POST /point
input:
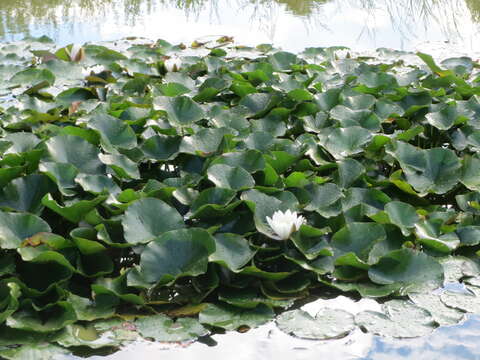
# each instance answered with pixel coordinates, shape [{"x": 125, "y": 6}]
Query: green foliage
[{"x": 129, "y": 190}]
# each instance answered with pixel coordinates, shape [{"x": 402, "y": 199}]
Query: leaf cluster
[{"x": 130, "y": 191}]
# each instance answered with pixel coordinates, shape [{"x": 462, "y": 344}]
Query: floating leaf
[
  {"x": 73, "y": 211},
  {"x": 114, "y": 132},
  {"x": 177, "y": 253},
  {"x": 414, "y": 270},
  {"x": 441, "y": 313},
  {"x": 17, "y": 227},
  {"x": 26, "y": 193},
  {"x": 403, "y": 215},
  {"x": 181, "y": 110},
  {"x": 232, "y": 251},
  {"x": 468, "y": 302},
  {"x": 357, "y": 240},
  {"x": 76, "y": 151},
  {"x": 401, "y": 320},
  {"x": 229, "y": 177},
  {"x": 327, "y": 324},
  {"x": 142, "y": 220},
  {"x": 343, "y": 142},
  {"x": 162, "y": 328},
  {"x": 231, "y": 318}
]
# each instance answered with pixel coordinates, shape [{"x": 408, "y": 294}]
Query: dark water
[{"x": 291, "y": 24}]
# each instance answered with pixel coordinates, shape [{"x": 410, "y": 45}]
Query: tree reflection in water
[{"x": 18, "y": 17}]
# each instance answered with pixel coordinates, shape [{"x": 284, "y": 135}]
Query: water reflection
[
  {"x": 292, "y": 24},
  {"x": 460, "y": 342},
  {"x": 474, "y": 7}
]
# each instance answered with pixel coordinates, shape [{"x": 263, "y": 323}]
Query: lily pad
[
  {"x": 162, "y": 328},
  {"x": 231, "y": 318},
  {"x": 177, "y": 253},
  {"x": 403, "y": 267},
  {"x": 400, "y": 320},
  {"x": 327, "y": 324},
  {"x": 441, "y": 313},
  {"x": 181, "y": 110},
  {"x": 76, "y": 151},
  {"x": 229, "y": 177},
  {"x": 17, "y": 227},
  {"x": 141, "y": 222}
]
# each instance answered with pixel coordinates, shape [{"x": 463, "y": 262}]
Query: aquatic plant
[
  {"x": 285, "y": 223},
  {"x": 139, "y": 202}
]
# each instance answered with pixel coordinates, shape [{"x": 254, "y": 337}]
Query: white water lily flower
[
  {"x": 76, "y": 53},
  {"x": 173, "y": 64},
  {"x": 285, "y": 223}
]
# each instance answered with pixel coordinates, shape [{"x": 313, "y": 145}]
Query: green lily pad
[
  {"x": 60, "y": 315},
  {"x": 403, "y": 215},
  {"x": 113, "y": 131},
  {"x": 17, "y": 227},
  {"x": 89, "y": 310},
  {"x": 231, "y": 318},
  {"x": 76, "y": 151},
  {"x": 34, "y": 351},
  {"x": 141, "y": 221},
  {"x": 343, "y": 142},
  {"x": 121, "y": 165},
  {"x": 181, "y": 110},
  {"x": 160, "y": 147},
  {"x": 62, "y": 174},
  {"x": 403, "y": 266},
  {"x": 162, "y": 328},
  {"x": 73, "y": 211},
  {"x": 470, "y": 170},
  {"x": 434, "y": 170},
  {"x": 250, "y": 160},
  {"x": 177, "y": 253},
  {"x": 357, "y": 240},
  {"x": 26, "y": 193},
  {"x": 232, "y": 251},
  {"x": 228, "y": 177},
  {"x": 250, "y": 299}
]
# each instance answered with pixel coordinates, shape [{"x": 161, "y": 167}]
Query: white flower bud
[{"x": 173, "y": 64}]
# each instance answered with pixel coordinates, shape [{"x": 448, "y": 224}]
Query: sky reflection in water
[
  {"x": 291, "y": 24},
  {"x": 459, "y": 342}
]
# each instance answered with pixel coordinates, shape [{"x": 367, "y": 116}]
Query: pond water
[
  {"x": 290, "y": 24},
  {"x": 459, "y": 342}
]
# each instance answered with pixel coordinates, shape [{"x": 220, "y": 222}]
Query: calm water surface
[
  {"x": 291, "y": 24},
  {"x": 447, "y": 25},
  {"x": 459, "y": 342}
]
